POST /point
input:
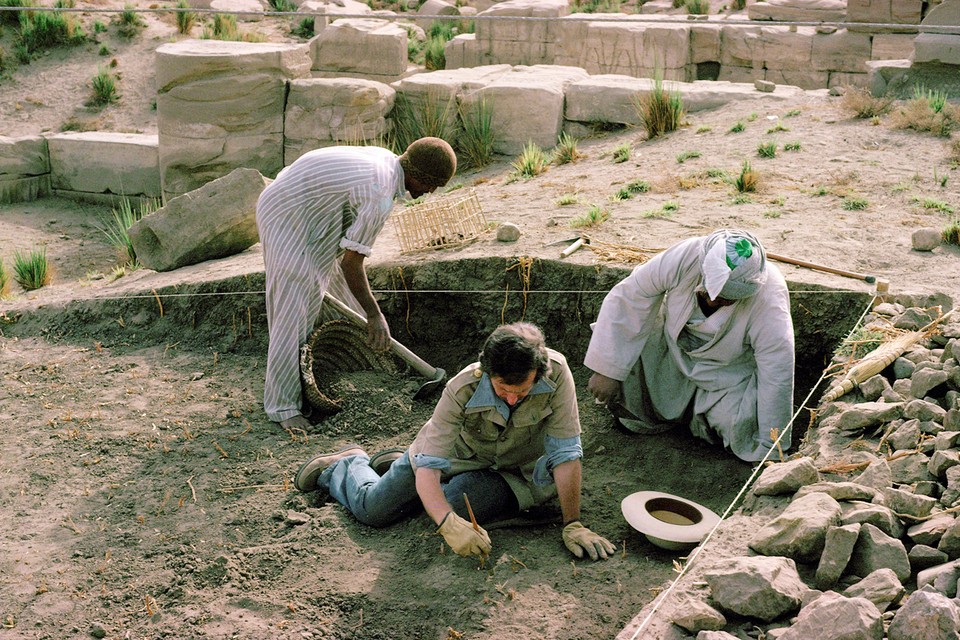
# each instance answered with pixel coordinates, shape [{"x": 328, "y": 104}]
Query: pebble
[{"x": 508, "y": 232}]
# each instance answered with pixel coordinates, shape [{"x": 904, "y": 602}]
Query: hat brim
[{"x": 668, "y": 521}]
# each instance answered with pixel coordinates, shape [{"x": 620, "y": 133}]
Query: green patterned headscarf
[{"x": 733, "y": 263}]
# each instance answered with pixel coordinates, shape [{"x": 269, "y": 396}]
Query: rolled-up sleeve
[{"x": 556, "y": 452}]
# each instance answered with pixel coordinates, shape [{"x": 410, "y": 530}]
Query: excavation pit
[{"x": 155, "y": 389}]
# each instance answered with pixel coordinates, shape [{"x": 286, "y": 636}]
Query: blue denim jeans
[{"x": 380, "y": 501}]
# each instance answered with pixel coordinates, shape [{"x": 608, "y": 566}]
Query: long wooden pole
[{"x": 818, "y": 267}]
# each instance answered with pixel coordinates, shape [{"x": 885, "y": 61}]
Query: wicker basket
[
  {"x": 336, "y": 346},
  {"x": 444, "y": 222}
]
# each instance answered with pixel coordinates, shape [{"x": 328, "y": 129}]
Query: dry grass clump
[
  {"x": 950, "y": 234},
  {"x": 863, "y": 104},
  {"x": 532, "y": 162},
  {"x": 928, "y": 111},
  {"x": 659, "y": 111},
  {"x": 31, "y": 269}
]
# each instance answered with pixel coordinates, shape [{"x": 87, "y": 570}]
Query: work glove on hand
[
  {"x": 579, "y": 539},
  {"x": 463, "y": 538}
]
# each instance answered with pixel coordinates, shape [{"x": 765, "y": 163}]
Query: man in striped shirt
[{"x": 317, "y": 222}]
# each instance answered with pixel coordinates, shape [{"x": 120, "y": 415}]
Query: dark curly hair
[{"x": 512, "y": 351}]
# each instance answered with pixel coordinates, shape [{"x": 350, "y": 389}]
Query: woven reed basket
[
  {"x": 336, "y": 346},
  {"x": 448, "y": 221}
]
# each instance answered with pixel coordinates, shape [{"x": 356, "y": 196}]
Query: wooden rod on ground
[
  {"x": 818, "y": 267},
  {"x": 473, "y": 518}
]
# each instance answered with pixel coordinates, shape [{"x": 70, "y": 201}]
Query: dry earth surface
[{"x": 146, "y": 495}]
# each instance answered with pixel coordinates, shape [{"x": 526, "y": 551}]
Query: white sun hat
[{"x": 668, "y": 521}]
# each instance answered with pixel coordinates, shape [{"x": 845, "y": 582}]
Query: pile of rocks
[{"x": 864, "y": 541}]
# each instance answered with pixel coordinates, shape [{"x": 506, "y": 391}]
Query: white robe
[{"x": 738, "y": 385}]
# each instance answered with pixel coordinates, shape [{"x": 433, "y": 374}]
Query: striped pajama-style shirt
[{"x": 328, "y": 200}]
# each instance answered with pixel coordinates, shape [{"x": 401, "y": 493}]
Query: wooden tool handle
[
  {"x": 818, "y": 267},
  {"x": 415, "y": 361}
]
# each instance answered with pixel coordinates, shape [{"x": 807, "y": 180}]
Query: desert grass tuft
[
  {"x": 778, "y": 128},
  {"x": 595, "y": 216},
  {"x": 116, "y": 228},
  {"x": 791, "y": 146},
  {"x": 683, "y": 156},
  {"x": 638, "y": 186},
  {"x": 853, "y": 203},
  {"x": 767, "y": 149},
  {"x": 475, "y": 138},
  {"x": 104, "y": 88},
  {"x": 864, "y": 104},
  {"x": 130, "y": 22},
  {"x": 283, "y": 6},
  {"x": 566, "y": 150},
  {"x": 429, "y": 115},
  {"x": 704, "y": 129},
  {"x": 697, "y": 7},
  {"x": 434, "y": 56},
  {"x": 747, "y": 180},
  {"x": 621, "y": 153},
  {"x": 660, "y": 111},
  {"x": 4, "y": 282},
  {"x": 224, "y": 27},
  {"x": 738, "y": 127},
  {"x": 31, "y": 269},
  {"x": 950, "y": 233},
  {"x": 567, "y": 199},
  {"x": 186, "y": 19},
  {"x": 43, "y": 30},
  {"x": 929, "y": 113},
  {"x": 306, "y": 29},
  {"x": 532, "y": 162},
  {"x": 934, "y": 204}
]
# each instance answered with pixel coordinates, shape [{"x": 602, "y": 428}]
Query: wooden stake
[{"x": 473, "y": 519}]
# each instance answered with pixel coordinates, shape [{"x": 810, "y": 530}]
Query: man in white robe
[{"x": 699, "y": 335}]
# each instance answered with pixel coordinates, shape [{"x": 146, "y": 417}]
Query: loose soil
[{"x": 147, "y": 496}]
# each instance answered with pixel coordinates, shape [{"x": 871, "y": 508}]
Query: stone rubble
[{"x": 859, "y": 535}]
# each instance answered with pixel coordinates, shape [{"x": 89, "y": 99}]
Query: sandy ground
[{"x": 146, "y": 495}]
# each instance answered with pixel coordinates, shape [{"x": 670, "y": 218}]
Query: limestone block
[
  {"x": 325, "y": 111},
  {"x": 214, "y": 221},
  {"x": 786, "y": 477},
  {"x": 844, "y": 617},
  {"x": 923, "y": 557},
  {"x": 103, "y": 162},
  {"x": 625, "y": 47},
  {"x": 738, "y": 74},
  {"x": 527, "y": 105},
  {"x": 24, "y": 169},
  {"x": 837, "y": 548},
  {"x": 605, "y": 98},
  {"x": 186, "y": 61},
  {"x": 805, "y": 79},
  {"x": 798, "y": 10},
  {"x": 188, "y": 163},
  {"x": 909, "y": 503},
  {"x": 842, "y": 79},
  {"x": 361, "y": 45},
  {"x": 839, "y": 491},
  {"x": 757, "y": 587},
  {"x": 800, "y": 531},
  {"x": 937, "y": 47},
  {"x": 334, "y": 7},
  {"x": 521, "y": 52},
  {"x": 246, "y": 10},
  {"x": 884, "y": 11},
  {"x": 931, "y": 531},
  {"x": 892, "y": 46},
  {"x": 840, "y": 51},
  {"x": 220, "y": 106},
  {"x": 704, "y": 43},
  {"x": 925, "y": 614},
  {"x": 464, "y": 51},
  {"x": 923, "y": 410},
  {"x": 244, "y": 104},
  {"x": 694, "y": 615},
  {"x": 23, "y": 157},
  {"x": 702, "y": 95},
  {"x": 945, "y": 14},
  {"x": 877, "y": 515},
  {"x": 522, "y": 30},
  {"x": 740, "y": 46},
  {"x": 882, "y": 588},
  {"x": 782, "y": 48},
  {"x": 876, "y": 550}
]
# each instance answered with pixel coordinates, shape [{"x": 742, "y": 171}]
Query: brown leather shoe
[
  {"x": 306, "y": 478},
  {"x": 381, "y": 461}
]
